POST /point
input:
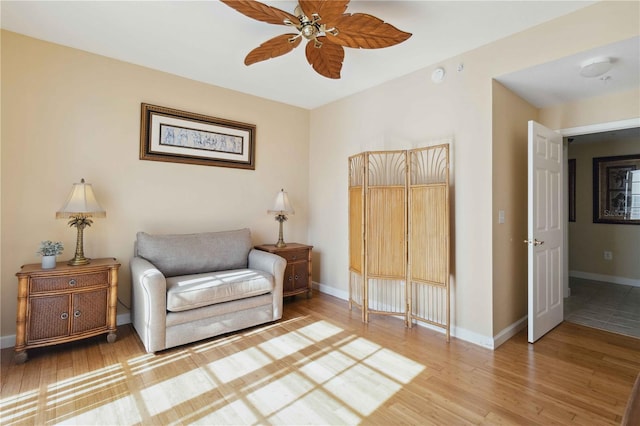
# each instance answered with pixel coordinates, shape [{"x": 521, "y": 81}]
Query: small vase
[{"x": 48, "y": 262}]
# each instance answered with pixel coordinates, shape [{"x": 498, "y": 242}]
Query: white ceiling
[
  {"x": 207, "y": 41},
  {"x": 560, "y": 81}
]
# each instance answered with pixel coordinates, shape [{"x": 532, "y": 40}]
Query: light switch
[{"x": 500, "y": 216}]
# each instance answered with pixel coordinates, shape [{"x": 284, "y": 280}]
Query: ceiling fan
[{"x": 325, "y": 26}]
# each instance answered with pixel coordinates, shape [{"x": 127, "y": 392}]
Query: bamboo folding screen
[{"x": 399, "y": 234}]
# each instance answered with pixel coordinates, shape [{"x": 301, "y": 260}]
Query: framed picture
[
  {"x": 616, "y": 189},
  {"x": 572, "y": 189},
  {"x": 184, "y": 137}
]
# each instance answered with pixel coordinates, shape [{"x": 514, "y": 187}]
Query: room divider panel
[
  {"x": 399, "y": 234},
  {"x": 428, "y": 272}
]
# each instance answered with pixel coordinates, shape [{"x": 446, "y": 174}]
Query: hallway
[{"x": 607, "y": 306}]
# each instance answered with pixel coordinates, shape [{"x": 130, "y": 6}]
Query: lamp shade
[
  {"x": 81, "y": 201},
  {"x": 282, "y": 204}
]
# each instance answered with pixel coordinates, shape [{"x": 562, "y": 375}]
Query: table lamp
[
  {"x": 281, "y": 209},
  {"x": 80, "y": 206}
]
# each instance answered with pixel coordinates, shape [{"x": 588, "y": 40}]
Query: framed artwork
[
  {"x": 572, "y": 189},
  {"x": 184, "y": 137},
  {"x": 616, "y": 189}
]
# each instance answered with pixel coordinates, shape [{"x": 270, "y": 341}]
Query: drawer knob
[
  {"x": 64, "y": 315},
  {"x": 76, "y": 314},
  {"x": 72, "y": 282},
  {"x": 290, "y": 278},
  {"x": 296, "y": 277}
]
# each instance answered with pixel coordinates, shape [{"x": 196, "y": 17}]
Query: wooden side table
[
  {"x": 297, "y": 275},
  {"x": 65, "y": 303}
]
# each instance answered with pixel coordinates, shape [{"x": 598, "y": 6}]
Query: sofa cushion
[
  {"x": 197, "y": 290},
  {"x": 181, "y": 254}
]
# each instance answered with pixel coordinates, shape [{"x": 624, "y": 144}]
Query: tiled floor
[{"x": 602, "y": 305}]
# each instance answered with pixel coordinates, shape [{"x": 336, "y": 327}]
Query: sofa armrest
[
  {"x": 149, "y": 304},
  {"x": 275, "y": 265}
]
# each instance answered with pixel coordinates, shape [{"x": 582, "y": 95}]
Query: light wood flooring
[{"x": 321, "y": 365}]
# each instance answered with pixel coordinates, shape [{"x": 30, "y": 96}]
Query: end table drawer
[
  {"x": 66, "y": 282},
  {"x": 295, "y": 255}
]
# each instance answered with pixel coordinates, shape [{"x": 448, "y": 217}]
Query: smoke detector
[{"x": 595, "y": 67}]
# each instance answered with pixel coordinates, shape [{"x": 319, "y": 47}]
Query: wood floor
[{"x": 321, "y": 365}]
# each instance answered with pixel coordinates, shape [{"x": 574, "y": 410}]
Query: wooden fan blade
[
  {"x": 360, "y": 30},
  {"x": 272, "y": 48},
  {"x": 326, "y": 60},
  {"x": 261, "y": 12},
  {"x": 329, "y": 11}
]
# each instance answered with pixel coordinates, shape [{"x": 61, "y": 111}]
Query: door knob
[{"x": 534, "y": 242}]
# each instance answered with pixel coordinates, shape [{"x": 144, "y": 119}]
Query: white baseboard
[
  {"x": 510, "y": 331},
  {"x": 331, "y": 291},
  {"x": 10, "y": 341},
  {"x": 123, "y": 318},
  {"x": 457, "y": 332},
  {"x": 605, "y": 278},
  {"x": 7, "y": 341}
]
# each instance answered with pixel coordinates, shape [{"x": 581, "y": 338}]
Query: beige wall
[
  {"x": 588, "y": 240},
  {"x": 510, "y": 116},
  {"x": 412, "y": 111},
  {"x": 67, "y": 114},
  {"x": 604, "y": 109}
]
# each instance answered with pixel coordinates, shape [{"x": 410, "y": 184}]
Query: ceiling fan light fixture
[
  {"x": 323, "y": 24},
  {"x": 309, "y": 31},
  {"x": 595, "y": 67}
]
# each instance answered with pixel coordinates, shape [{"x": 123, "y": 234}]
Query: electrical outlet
[{"x": 608, "y": 255}]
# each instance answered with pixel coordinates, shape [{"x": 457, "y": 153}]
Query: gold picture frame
[{"x": 176, "y": 136}]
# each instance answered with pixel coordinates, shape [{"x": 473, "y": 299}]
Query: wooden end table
[
  {"x": 297, "y": 275},
  {"x": 65, "y": 303}
]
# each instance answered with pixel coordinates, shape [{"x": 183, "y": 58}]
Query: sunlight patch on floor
[
  {"x": 307, "y": 410},
  {"x": 233, "y": 413},
  {"x": 108, "y": 410},
  {"x": 276, "y": 395},
  {"x": 239, "y": 364},
  {"x": 319, "y": 331},
  {"x": 176, "y": 390},
  {"x": 150, "y": 362},
  {"x": 362, "y": 388},
  {"x": 396, "y": 367},
  {"x": 26, "y": 402},
  {"x": 316, "y": 373},
  {"x": 72, "y": 390},
  {"x": 285, "y": 345}
]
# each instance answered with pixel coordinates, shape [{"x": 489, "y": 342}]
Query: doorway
[{"x": 602, "y": 286}]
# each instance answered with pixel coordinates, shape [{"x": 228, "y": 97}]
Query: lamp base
[
  {"x": 80, "y": 223},
  {"x": 77, "y": 261},
  {"x": 280, "y": 218}
]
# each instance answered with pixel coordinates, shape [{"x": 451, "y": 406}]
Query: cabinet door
[
  {"x": 89, "y": 311},
  {"x": 301, "y": 276},
  {"x": 49, "y": 317},
  {"x": 289, "y": 283}
]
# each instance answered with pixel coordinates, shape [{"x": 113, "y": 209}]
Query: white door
[{"x": 545, "y": 230}]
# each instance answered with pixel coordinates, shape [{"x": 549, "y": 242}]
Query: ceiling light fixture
[
  {"x": 325, "y": 26},
  {"x": 595, "y": 67}
]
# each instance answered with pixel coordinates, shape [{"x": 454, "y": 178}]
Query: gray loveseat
[{"x": 193, "y": 286}]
